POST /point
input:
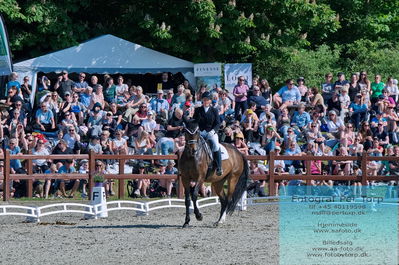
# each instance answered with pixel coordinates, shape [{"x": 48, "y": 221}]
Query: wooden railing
[{"x": 270, "y": 176}]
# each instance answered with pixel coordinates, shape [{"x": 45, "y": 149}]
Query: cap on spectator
[
  {"x": 160, "y": 91},
  {"x": 171, "y": 162},
  {"x": 64, "y": 72},
  {"x": 67, "y": 94},
  {"x": 239, "y": 135},
  {"x": 141, "y": 165},
  {"x": 187, "y": 104},
  {"x": 62, "y": 141},
  {"x": 301, "y": 79},
  {"x": 277, "y": 148},
  {"x": 332, "y": 112},
  {"x": 98, "y": 104},
  {"x": 340, "y": 73},
  {"x": 162, "y": 164},
  {"x": 69, "y": 161},
  {"x": 109, "y": 113},
  {"x": 381, "y": 97},
  {"x": 345, "y": 89},
  {"x": 395, "y": 81},
  {"x": 95, "y": 137},
  {"x": 249, "y": 111},
  {"x": 83, "y": 161},
  {"x": 379, "y": 113},
  {"x": 358, "y": 95},
  {"x": 150, "y": 112}
]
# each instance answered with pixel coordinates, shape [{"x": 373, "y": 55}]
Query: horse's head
[{"x": 191, "y": 133}]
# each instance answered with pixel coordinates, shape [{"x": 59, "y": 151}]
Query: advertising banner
[
  {"x": 233, "y": 71},
  {"x": 209, "y": 74}
]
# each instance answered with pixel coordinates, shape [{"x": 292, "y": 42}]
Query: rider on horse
[{"x": 208, "y": 121}]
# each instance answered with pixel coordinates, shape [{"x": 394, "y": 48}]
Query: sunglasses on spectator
[
  {"x": 18, "y": 104},
  {"x": 76, "y": 96},
  {"x": 72, "y": 130},
  {"x": 98, "y": 165},
  {"x": 256, "y": 90},
  {"x": 143, "y": 107},
  {"x": 67, "y": 114},
  {"x": 380, "y": 124},
  {"x": 82, "y": 76},
  {"x": 241, "y": 79}
]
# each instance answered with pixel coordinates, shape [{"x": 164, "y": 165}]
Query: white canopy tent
[{"x": 106, "y": 54}]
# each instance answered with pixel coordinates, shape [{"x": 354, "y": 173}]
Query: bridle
[{"x": 195, "y": 142}]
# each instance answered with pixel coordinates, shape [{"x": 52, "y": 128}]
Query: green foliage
[{"x": 283, "y": 38}]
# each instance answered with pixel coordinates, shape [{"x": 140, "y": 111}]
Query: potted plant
[{"x": 98, "y": 180}]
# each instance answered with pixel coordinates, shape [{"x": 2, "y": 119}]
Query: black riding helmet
[{"x": 206, "y": 94}]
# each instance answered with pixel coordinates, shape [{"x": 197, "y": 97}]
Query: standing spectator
[
  {"x": 64, "y": 84},
  {"x": 392, "y": 87},
  {"x": 121, "y": 89},
  {"x": 240, "y": 93},
  {"x": 364, "y": 82},
  {"x": 81, "y": 85},
  {"x": 344, "y": 100},
  {"x": 287, "y": 96},
  {"x": 354, "y": 87},
  {"x": 303, "y": 90},
  {"x": 266, "y": 90},
  {"x": 340, "y": 83},
  {"x": 97, "y": 98},
  {"x": 327, "y": 87},
  {"x": 109, "y": 90},
  {"x": 13, "y": 82},
  {"x": 376, "y": 88},
  {"x": 165, "y": 84},
  {"x": 26, "y": 89}
]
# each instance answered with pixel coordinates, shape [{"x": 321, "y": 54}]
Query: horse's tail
[{"x": 241, "y": 186}]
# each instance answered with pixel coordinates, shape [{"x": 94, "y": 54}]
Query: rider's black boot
[{"x": 218, "y": 159}]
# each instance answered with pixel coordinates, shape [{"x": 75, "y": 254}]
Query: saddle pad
[{"x": 225, "y": 154}]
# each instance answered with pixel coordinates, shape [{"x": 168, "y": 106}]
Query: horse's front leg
[
  {"x": 194, "y": 196},
  {"x": 187, "y": 203}
]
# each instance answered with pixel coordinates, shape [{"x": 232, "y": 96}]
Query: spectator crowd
[{"x": 113, "y": 116}]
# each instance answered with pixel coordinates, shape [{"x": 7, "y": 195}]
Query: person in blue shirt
[
  {"x": 358, "y": 111},
  {"x": 300, "y": 120},
  {"x": 44, "y": 119},
  {"x": 340, "y": 83},
  {"x": 287, "y": 96},
  {"x": 160, "y": 105},
  {"x": 13, "y": 82},
  {"x": 65, "y": 185}
]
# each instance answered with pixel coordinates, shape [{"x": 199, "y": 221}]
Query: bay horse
[{"x": 193, "y": 167}]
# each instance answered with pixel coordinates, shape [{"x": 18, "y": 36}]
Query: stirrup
[{"x": 219, "y": 171}]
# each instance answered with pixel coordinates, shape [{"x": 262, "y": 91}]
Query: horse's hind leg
[
  {"x": 218, "y": 188},
  {"x": 194, "y": 196}
]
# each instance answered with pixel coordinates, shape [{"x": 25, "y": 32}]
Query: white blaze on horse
[{"x": 193, "y": 167}]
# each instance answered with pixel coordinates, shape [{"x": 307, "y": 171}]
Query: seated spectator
[
  {"x": 257, "y": 187},
  {"x": 167, "y": 169},
  {"x": 119, "y": 144},
  {"x": 270, "y": 139},
  {"x": 40, "y": 165},
  {"x": 61, "y": 149},
  {"x": 143, "y": 184},
  {"x": 300, "y": 120},
  {"x": 357, "y": 111},
  {"x": 65, "y": 185},
  {"x": 240, "y": 144},
  {"x": 287, "y": 96},
  {"x": 44, "y": 119},
  {"x": 175, "y": 124},
  {"x": 73, "y": 140},
  {"x": 160, "y": 105}
]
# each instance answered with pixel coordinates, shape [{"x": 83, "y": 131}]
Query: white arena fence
[{"x": 35, "y": 213}]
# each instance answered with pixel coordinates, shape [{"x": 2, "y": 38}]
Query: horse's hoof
[
  {"x": 185, "y": 225},
  {"x": 216, "y": 224},
  {"x": 199, "y": 217}
]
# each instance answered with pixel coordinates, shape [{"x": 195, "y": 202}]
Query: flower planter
[{"x": 98, "y": 184}]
